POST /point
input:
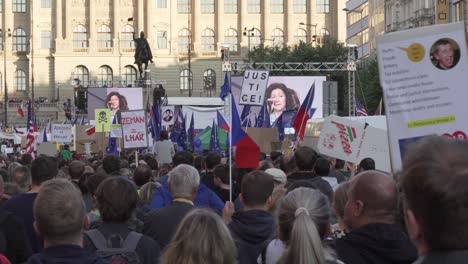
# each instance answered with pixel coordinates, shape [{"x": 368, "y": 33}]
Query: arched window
[
  {"x": 323, "y": 37},
  {"x": 105, "y": 76},
  {"x": 81, "y": 73},
  {"x": 209, "y": 77},
  {"x": 104, "y": 37},
  {"x": 277, "y": 37},
  {"x": 19, "y": 40},
  {"x": 129, "y": 75},
  {"x": 20, "y": 80},
  {"x": 185, "y": 79},
  {"x": 126, "y": 38},
  {"x": 184, "y": 40},
  {"x": 255, "y": 38},
  {"x": 300, "y": 36},
  {"x": 230, "y": 36},
  {"x": 208, "y": 40},
  {"x": 80, "y": 37}
]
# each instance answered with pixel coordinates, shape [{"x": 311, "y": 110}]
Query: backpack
[{"x": 124, "y": 254}]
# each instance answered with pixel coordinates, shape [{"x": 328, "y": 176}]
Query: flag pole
[
  {"x": 303, "y": 117},
  {"x": 230, "y": 140}
]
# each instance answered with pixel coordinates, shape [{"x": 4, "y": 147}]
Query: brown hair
[
  {"x": 340, "y": 198},
  {"x": 434, "y": 180},
  {"x": 257, "y": 186}
]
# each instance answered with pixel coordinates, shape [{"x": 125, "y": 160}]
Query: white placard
[
  {"x": 254, "y": 87},
  {"x": 116, "y": 131},
  {"x": 134, "y": 129},
  {"x": 9, "y": 150},
  {"x": 62, "y": 133},
  {"x": 423, "y": 76},
  {"x": 167, "y": 115}
]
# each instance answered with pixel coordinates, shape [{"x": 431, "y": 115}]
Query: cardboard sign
[
  {"x": 354, "y": 141},
  {"x": 47, "y": 148},
  {"x": 62, "y": 133},
  {"x": 423, "y": 76},
  {"x": 102, "y": 120},
  {"x": 167, "y": 115},
  {"x": 116, "y": 131},
  {"x": 134, "y": 129},
  {"x": 253, "y": 87}
]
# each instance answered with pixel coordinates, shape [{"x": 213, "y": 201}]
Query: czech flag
[
  {"x": 304, "y": 113},
  {"x": 222, "y": 122},
  {"x": 20, "y": 110}
]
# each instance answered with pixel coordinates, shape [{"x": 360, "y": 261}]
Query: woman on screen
[
  {"x": 280, "y": 99},
  {"x": 116, "y": 102}
]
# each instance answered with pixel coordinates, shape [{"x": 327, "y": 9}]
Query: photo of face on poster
[
  {"x": 445, "y": 54},
  {"x": 115, "y": 99}
]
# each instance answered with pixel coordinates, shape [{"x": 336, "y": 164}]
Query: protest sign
[
  {"x": 102, "y": 120},
  {"x": 134, "y": 129},
  {"x": 116, "y": 131},
  {"x": 167, "y": 115},
  {"x": 423, "y": 76},
  {"x": 47, "y": 148},
  {"x": 253, "y": 87},
  {"x": 62, "y": 133}
]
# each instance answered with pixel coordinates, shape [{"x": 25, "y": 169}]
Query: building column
[
  {"x": 58, "y": 20},
  {"x": 140, "y": 17},
  {"x": 68, "y": 29},
  {"x": 289, "y": 21},
  {"x": 115, "y": 27},
  {"x": 265, "y": 27},
  {"x": 150, "y": 34},
  {"x": 92, "y": 26}
]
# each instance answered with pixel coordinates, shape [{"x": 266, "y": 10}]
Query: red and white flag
[
  {"x": 20, "y": 110},
  {"x": 31, "y": 142}
]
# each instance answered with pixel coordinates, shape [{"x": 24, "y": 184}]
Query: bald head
[{"x": 372, "y": 197}]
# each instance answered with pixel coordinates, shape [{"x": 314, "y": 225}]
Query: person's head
[
  {"x": 212, "y": 159},
  {"x": 142, "y": 34},
  {"x": 305, "y": 158},
  {"x": 221, "y": 174},
  {"x": 183, "y": 181},
  {"x": 366, "y": 164},
  {"x": 22, "y": 177},
  {"x": 26, "y": 159},
  {"x": 288, "y": 163},
  {"x": 279, "y": 177},
  {"x": 435, "y": 196},
  {"x": 42, "y": 169},
  {"x": 66, "y": 147},
  {"x": 265, "y": 165},
  {"x": 275, "y": 154},
  {"x": 444, "y": 54},
  {"x": 92, "y": 182},
  {"x": 111, "y": 164},
  {"x": 116, "y": 101},
  {"x": 11, "y": 169},
  {"x": 280, "y": 97},
  {"x": 340, "y": 197},
  {"x": 322, "y": 167},
  {"x": 163, "y": 135},
  {"x": 146, "y": 192},
  {"x": 372, "y": 198},
  {"x": 256, "y": 189},
  {"x": 182, "y": 157},
  {"x": 59, "y": 213},
  {"x": 213, "y": 243},
  {"x": 75, "y": 169},
  {"x": 4, "y": 174},
  {"x": 304, "y": 221},
  {"x": 339, "y": 164},
  {"x": 142, "y": 175},
  {"x": 152, "y": 163},
  {"x": 116, "y": 200}
]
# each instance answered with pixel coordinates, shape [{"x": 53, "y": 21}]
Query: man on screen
[{"x": 443, "y": 54}]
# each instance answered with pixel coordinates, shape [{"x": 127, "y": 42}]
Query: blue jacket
[{"x": 205, "y": 198}]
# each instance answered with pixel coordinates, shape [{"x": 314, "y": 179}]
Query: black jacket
[
  {"x": 251, "y": 231},
  {"x": 14, "y": 243},
  {"x": 315, "y": 181},
  {"x": 376, "y": 243},
  {"x": 446, "y": 257},
  {"x": 64, "y": 254},
  {"x": 161, "y": 224}
]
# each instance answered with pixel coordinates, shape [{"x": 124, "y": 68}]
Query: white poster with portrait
[
  {"x": 134, "y": 129},
  {"x": 167, "y": 115},
  {"x": 254, "y": 87},
  {"x": 423, "y": 75}
]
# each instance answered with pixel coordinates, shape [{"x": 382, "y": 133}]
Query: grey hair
[
  {"x": 303, "y": 219},
  {"x": 183, "y": 180}
]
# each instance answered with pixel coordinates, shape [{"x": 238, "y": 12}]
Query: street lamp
[
  {"x": 249, "y": 33},
  {"x": 5, "y": 34},
  {"x": 314, "y": 37},
  {"x": 361, "y": 27}
]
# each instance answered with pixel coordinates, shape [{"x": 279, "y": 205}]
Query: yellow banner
[
  {"x": 442, "y": 11},
  {"x": 102, "y": 120},
  {"x": 431, "y": 121}
]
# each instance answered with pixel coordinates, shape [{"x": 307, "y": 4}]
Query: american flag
[
  {"x": 360, "y": 110},
  {"x": 31, "y": 141}
]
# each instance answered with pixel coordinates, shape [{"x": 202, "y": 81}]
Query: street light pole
[
  {"x": 249, "y": 33},
  {"x": 314, "y": 37},
  {"x": 361, "y": 27}
]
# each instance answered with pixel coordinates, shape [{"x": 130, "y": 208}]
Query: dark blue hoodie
[
  {"x": 251, "y": 230},
  {"x": 65, "y": 254}
]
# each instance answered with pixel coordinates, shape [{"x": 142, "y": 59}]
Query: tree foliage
[{"x": 368, "y": 88}]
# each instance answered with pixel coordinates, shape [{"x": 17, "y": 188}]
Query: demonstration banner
[
  {"x": 116, "y": 131},
  {"x": 102, "y": 120},
  {"x": 423, "y": 76},
  {"x": 134, "y": 129},
  {"x": 254, "y": 87},
  {"x": 354, "y": 141},
  {"x": 62, "y": 133},
  {"x": 167, "y": 115}
]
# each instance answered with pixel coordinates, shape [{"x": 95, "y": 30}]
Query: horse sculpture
[{"x": 142, "y": 53}]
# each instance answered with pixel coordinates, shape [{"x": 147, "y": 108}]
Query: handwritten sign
[
  {"x": 102, "y": 120},
  {"x": 62, "y": 133},
  {"x": 254, "y": 87},
  {"x": 134, "y": 129},
  {"x": 116, "y": 131}
]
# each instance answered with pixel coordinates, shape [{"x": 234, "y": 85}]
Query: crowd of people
[{"x": 293, "y": 208}]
